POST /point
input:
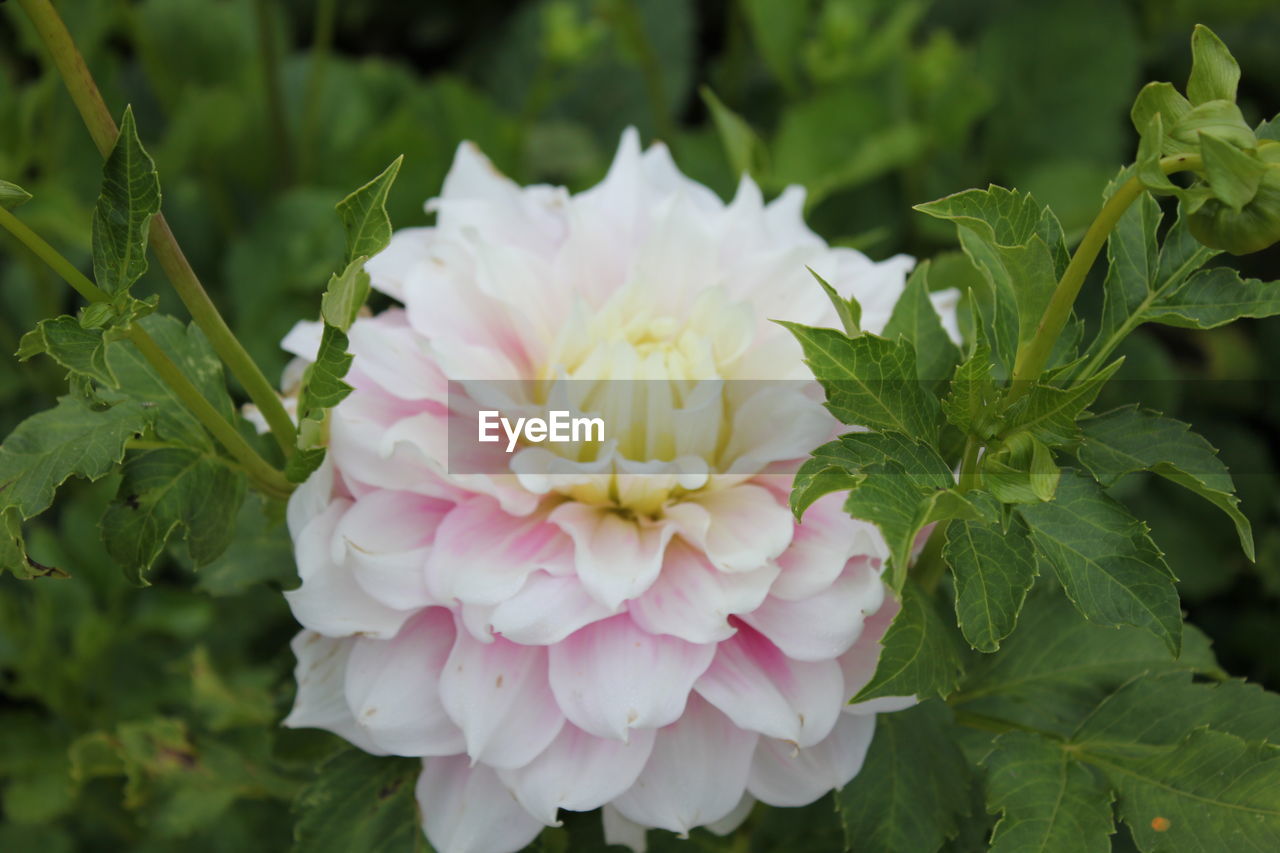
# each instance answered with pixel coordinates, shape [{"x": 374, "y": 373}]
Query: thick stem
[
  {"x": 263, "y": 474},
  {"x": 102, "y": 127},
  {"x": 1032, "y": 357}
]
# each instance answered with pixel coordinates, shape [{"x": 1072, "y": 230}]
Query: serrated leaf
[
  {"x": 1211, "y": 792},
  {"x": 130, "y": 197},
  {"x": 870, "y": 381},
  {"x": 360, "y": 802},
  {"x": 78, "y": 349},
  {"x": 993, "y": 570},
  {"x": 1214, "y": 71},
  {"x": 1105, "y": 559},
  {"x": 364, "y": 215},
  {"x": 345, "y": 295},
  {"x": 303, "y": 462},
  {"x": 1215, "y": 297},
  {"x": 14, "y": 558},
  {"x": 848, "y": 310},
  {"x": 838, "y": 465},
  {"x": 912, "y": 787},
  {"x": 915, "y": 319},
  {"x": 12, "y": 195},
  {"x": 1049, "y": 411},
  {"x": 970, "y": 405},
  {"x": 69, "y": 440},
  {"x": 260, "y": 552},
  {"x": 322, "y": 385},
  {"x": 920, "y": 653},
  {"x": 166, "y": 492},
  {"x": 1134, "y": 439},
  {"x": 1050, "y": 803}
]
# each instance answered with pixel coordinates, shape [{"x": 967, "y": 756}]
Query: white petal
[
  {"x": 824, "y": 542},
  {"x": 825, "y": 625},
  {"x": 497, "y": 693},
  {"x": 735, "y": 818},
  {"x": 321, "y": 702},
  {"x": 392, "y": 687},
  {"x": 611, "y": 677},
  {"x": 546, "y": 610},
  {"x": 762, "y": 690},
  {"x": 468, "y": 809},
  {"x": 388, "y": 535},
  {"x": 622, "y": 832},
  {"x": 578, "y": 772},
  {"x": 616, "y": 558},
  {"x": 740, "y": 528},
  {"x": 782, "y": 775},
  {"x": 696, "y": 774},
  {"x": 693, "y": 601}
]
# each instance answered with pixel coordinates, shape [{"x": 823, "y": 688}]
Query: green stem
[
  {"x": 997, "y": 725},
  {"x": 263, "y": 474},
  {"x": 321, "y": 44},
  {"x": 929, "y": 568},
  {"x": 271, "y": 84},
  {"x": 102, "y": 128},
  {"x": 1033, "y": 356}
]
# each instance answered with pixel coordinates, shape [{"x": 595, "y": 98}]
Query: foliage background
[{"x": 145, "y": 719}]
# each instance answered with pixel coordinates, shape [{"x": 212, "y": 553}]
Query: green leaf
[
  {"x": 12, "y": 195},
  {"x": 912, "y": 787},
  {"x": 1105, "y": 559},
  {"x": 920, "y": 655},
  {"x": 746, "y": 153},
  {"x": 1211, "y": 792},
  {"x": 260, "y": 552},
  {"x": 1164, "y": 100},
  {"x": 1135, "y": 439},
  {"x": 1049, "y": 412},
  {"x": 993, "y": 570},
  {"x": 81, "y": 351},
  {"x": 360, "y": 802},
  {"x": 870, "y": 381},
  {"x": 1015, "y": 241},
  {"x": 345, "y": 295},
  {"x": 1214, "y": 71},
  {"x": 915, "y": 319},
  {"x": 69, "y": 440},
  {"x": 364, "y": 215},
  {"x": 1050, "y": 803},
  {"x": 130, "y": 197},
  {"x": 1234, "y": 175},
  {"x": 970, "y": 405},
  {"x": 1215, "y": 297},
  {"x": 1022, "y": 471},
  {"x": 849, "y": 311},
  {"x": 778, "y": 30},
  {"x": 1221, "y": 119},
  {"x": 322, "y": 386},
  {"x": 13, "y": 550},
  {"x": 170, "y": 491},
  {"x": 838, "y": 465}
]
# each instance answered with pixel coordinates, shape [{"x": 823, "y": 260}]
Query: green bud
[
  {"x": 12, "y": 195},
  {"x": 1252, "y": 227}
]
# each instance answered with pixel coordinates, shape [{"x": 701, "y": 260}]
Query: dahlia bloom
[{"x": 639, "y": 624}]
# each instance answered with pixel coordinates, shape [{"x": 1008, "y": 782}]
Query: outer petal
[
  {"x": 739, "y": 529},
  {"x": 497, "y": 693},
  {"x": 616, "y": 558},
  {"x": 388, "y": 535},
  {"x": 822, "y": 546},
  {"x": 578, "y": 772},
  {"x": 762, "y": 690},
  {"x": 468, "y": 809},
  {"x": 546, "y": 610},
  {"x": 823, "y": 626},
  {"x": 782, "y": 775},
  {"x": 696, "y": 774},
  {"x": 612, "y": 677},
  {"x": 392, "y": 686},
  {"x": 321, "y": 702}
]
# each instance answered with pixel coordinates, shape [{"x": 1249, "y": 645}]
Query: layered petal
[
  {"x": 467, "y": 809},
  {"x": 783, "y": 774}
]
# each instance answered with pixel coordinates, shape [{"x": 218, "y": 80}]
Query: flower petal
[
  {"x": 693, "y": 601},
  {"x": 612, "y": 676},
  {"x": 616, "y": 558},
  {"x": 392, "y": 687},
  {"x": 784, "y": 775},
  {"x": 546, "y": 610},
  {"x": 321, "y": 702},
  {"x": 826, "y": 625},
  {"x": 739, "y": 529},
  {"x": 388, "y": 536},
  {"x": 468, "y": 809},
  {"x": 822, "y": 546}
]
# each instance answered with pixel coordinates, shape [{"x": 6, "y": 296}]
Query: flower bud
[{"x": 1252, "y": 227}]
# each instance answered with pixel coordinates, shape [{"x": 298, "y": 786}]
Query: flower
[{"x": 639, "y": 625}]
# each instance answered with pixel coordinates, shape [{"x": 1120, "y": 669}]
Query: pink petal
[
  {"x": 468, "y": 809},
  {"x": 824, "y": 543},
  {"x": 392, "y": 686},
  {"x": 826, "y": 625},
  {"x": 390, "y": 353},
  {"x": 611, "y": 677},
  {"x": 739, "y": 529},
  {"x": 388, "y": 535},
  {"x": 696, "y": 774},
  {"x": 497, "y": 693},
  {"x": 782, "y": 775},
  {"x": 321, "y": 702},
  {"x": 693, "y": 601},
  {"x": 546, "y": 610},
  {"x": 762, "y": 690},
  {"x": 616, "y": 558},
  {"x": 578, "y": 772}
]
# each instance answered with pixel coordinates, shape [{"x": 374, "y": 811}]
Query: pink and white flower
[{"x": 641, "y": 625}]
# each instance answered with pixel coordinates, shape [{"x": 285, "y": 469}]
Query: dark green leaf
[
  {"x": 1050, "y": 803},
  {"x": 360, "y": 802},
  {"x": 849, "y": 311},
  {"x": 66, "y": 341},
  {"x": 1135, "y": 439},
  {"x": 921, "y": 652},
  {"x": 1215, "y": 297},
  {"x": 993, "y": 570},
  {"x": 1105, "y": 559},
  {"x": 69, "y": 440},
  {"x": 13, "y": 550},
  {"x": 1049, "y": 411},
  {"x": 130, "y": 197},
  {"x": 971, "y": 404},
  {"x": 912, "y": 787},
  {"x": 915, "y": 319},
  {"x": 260, "y": 552},
  {"x": 364, "y": 215},
  {"x": 837, "y": 466}
]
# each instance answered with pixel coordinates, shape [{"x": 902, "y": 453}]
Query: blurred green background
[{"x": 144, "y": 719}]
